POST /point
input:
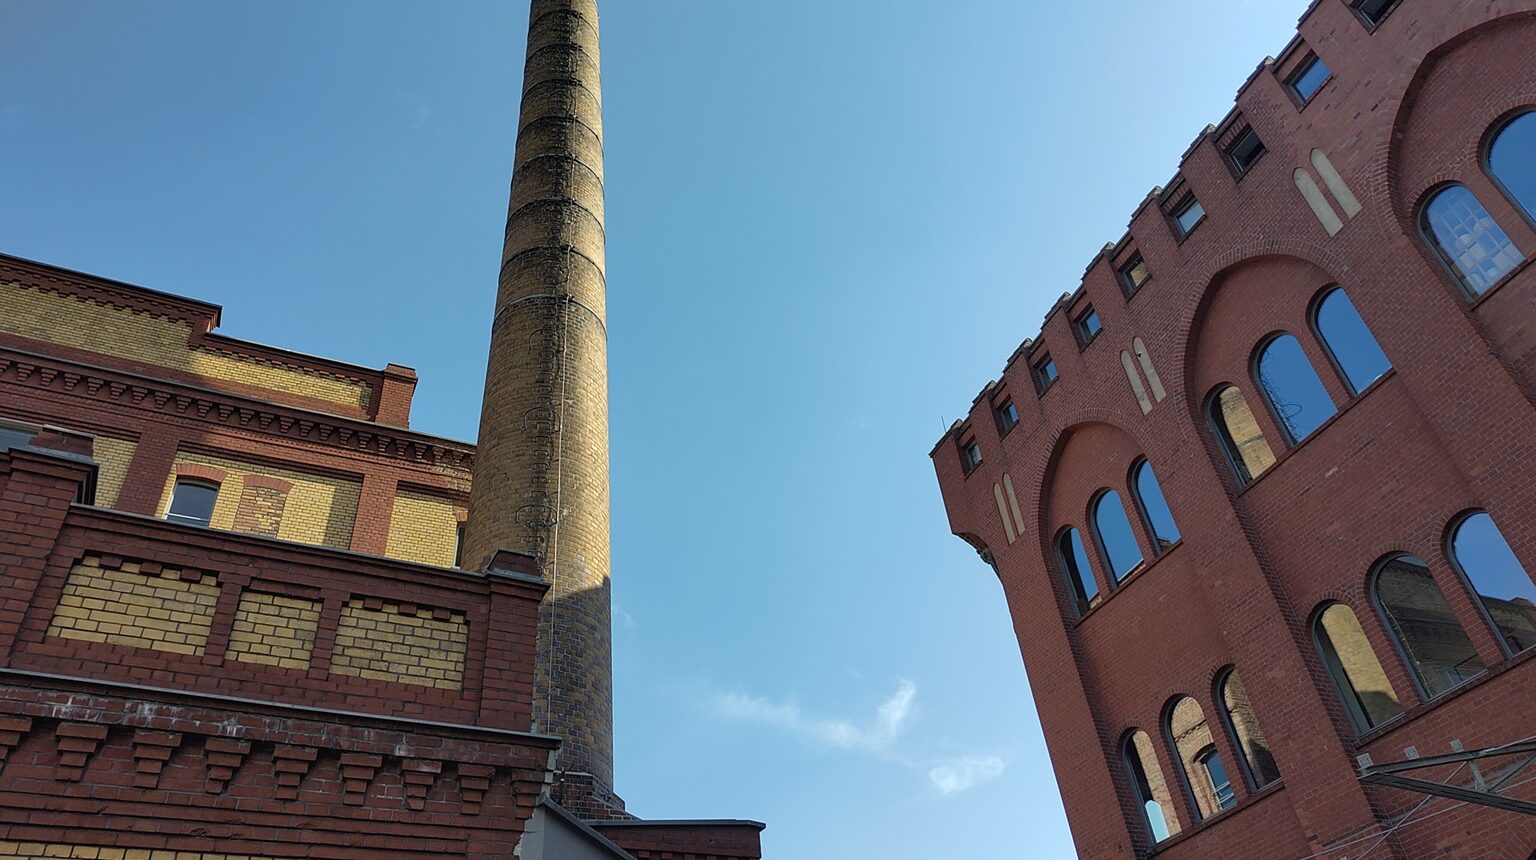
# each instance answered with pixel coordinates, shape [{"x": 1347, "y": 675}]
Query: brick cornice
[{"x": 104, "y": 385}]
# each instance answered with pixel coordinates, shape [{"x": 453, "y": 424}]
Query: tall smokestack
[{"x": 541, "y": 474}]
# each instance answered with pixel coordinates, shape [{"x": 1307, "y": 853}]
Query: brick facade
[{"x": 1410, "y": 105}]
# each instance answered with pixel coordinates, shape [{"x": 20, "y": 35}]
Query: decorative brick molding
[
  {"x": 76, "y": 744},
  {"x": 151, "y": 750},
  {"x": 223, "y": 757},
  {"x": 200, "y": 472}
]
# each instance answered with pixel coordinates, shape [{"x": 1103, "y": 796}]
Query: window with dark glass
[
  {"x": 970, "y": 454},
  {"x": 1308, "y": 78},
  {"x": 1512, "y": 161},
  {"x": 192, "y": 502},
  {"x": 1007, "y": 416},
  {"x": 1244, "y": 150},
  {"x": 1134, "y": 273},
  {"x": 1353, "y": 348},
  {"x": 1075, "y": 566},
  {"x": 1373, "y": 11},
  {"x": 1498, "y": 579},
  {"x": 1472, "y": 245},
  {"x": 1248, "y": 738},
  {"x": 1295, "y": 394},
  {"x": 1188, "y": 215},
  {"x": 1152, "y": 795},
  {"x": 1154, "y": 508},
  {"x": 1239, "y": 434},
  {"x": 1045, "y": 373},
  {"x": 1117, "y": 543},
  {"x": 1420, "y": 620},
  {"x": 1190, "y": 736},
  {"x": 458, "y": 546},
  {"x": 1357, "y": 674},
  {"x": 1088, "y": 325}
]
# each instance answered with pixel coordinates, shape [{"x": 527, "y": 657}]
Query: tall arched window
[
  {"x": 1362, "y": 683},
  {"x": 1152, "y": 795},
  {"x": 1239, "y": 435},
  {"x": 1512, "y": 161},
  {"x": 1471, "y": 243},
  {"x": 1426, "y": 630},
  {"x": 1348, "y": 340},
  {"x": 1249, "y": 739},
  {"x": 1204, "y": 773},
  {"x": 1507, "y": 593},
  {"x": 1296, "y": 396},
  {"x": 1117, "y": 542},
  {"x": 1075, "y": 567},
  {"x": 1154, "y": 508}
]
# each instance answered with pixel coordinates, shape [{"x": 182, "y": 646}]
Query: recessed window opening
[
  {"x": 1252, "y": 746},
  {"x": 1238, "y": 432},
  {"x": 1425, "y": 628},
  {"x": 1007, "y": 416},
  {"x": 1151, "y": 788},
  {"x": 1117, "y": 542},
  {"x": 1498, "y": 579},
  {"x": 1373, "y": 11},
  {"x": 1512, "y": 161},
  {"x": 1078, "y": 571},
  {"x": 1473, "y": 246},
  {"x": 1188, "y": 215},
  {"x": 1088, "y": 325},
  {"x": 1349, "y": 341},
  {"x": 1134, "y": 273},
  {"x": 1295, "y": 394},
  {"x": 1308, "y": 78},
  {"x": 1244, "y": 150},
  {"x": 1356, "y": 673},
  {"x": 1045, "y": 373},
  {"x": 458, "y": 546},
  {"x": 1190, "y": 736},
  {"x": 970, "y": 455},
  {"x": 1154, "y": 507},
  {"x": 192, "y": 502}
]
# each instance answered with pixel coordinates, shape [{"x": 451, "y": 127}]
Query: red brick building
[
  {"x": 1260, "y": 492},
  {"x": 235, "y": 623}
]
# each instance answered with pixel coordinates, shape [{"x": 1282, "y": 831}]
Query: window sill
[
  {"x": 1139, "y": 572},
  {"x": 1322, "y": 428},
  {"x": 1225, "y": 815},
  {"x": 1410, "y": 715},
  {"x": 1488, "y": 293}
]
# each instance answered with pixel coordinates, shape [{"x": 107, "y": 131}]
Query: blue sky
[{"x": 830, "y": 221}]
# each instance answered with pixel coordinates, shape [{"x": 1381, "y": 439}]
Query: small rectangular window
[
  {"x": 1087, "y": 325},
  {"x": 1188, "y": 216},
  {"x": 1373, "y": 11},
  {"x": 192, "y": 503},
  {"x": 970, "y": 455},
  {"x": 1134, "y": 273},
  {"x": 1308, "y": 78},
  {"x": 1244, "y": 150},
  {"x": 1045, "y": 373},
  {"x": 1007, "y": 416}
]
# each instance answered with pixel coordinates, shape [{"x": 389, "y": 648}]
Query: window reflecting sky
[
  {"x": 1155, "y": 505},
  {"x": 1513, "y": 160},
  {"x": 1311, "y": 79},
  {"x": 1297, "y": 396},
  {"x": 1472, "y": 243},
  {"x": 1115, "y": 535},
  {"x": 1498, "y": 578},
  {"x": 1075, "y": 555},
  {"x": 1351, "y": 342}
]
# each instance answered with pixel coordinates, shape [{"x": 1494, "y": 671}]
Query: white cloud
[
  {"x": 957, "y": 775},
  {"x": 878, "y": 735}
]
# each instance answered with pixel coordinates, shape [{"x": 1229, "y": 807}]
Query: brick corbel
[
  {"x": 77, "y": 743},
  {"x": 292, "y": 764},
  {"x": 12, "y": 730},
  {"x": 222, "y": 757},
  {"x": 474, "y": 783},
  {"x": 420, "y": 775},
  {"x": 357, "y": 772},
  {"x": 151, "y": 751}
]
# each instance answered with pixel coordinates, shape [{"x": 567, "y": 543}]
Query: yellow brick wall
[
  {"x": 49, "y": 316},
  {"x": 128, "y": 607},
  {"x": 320, "y": 510},
  {"x": 112, "y": 459},
  {"x": 424, "y": 529},
  {"x": 273, "y": 630},
  {"x": 44, "y": 850},
  {"x": 408, "y": 649}
]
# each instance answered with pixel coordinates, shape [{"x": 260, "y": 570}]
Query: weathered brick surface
[
  {"x": 404, "y": 644},
  {"x": 120, "y": 603},
  {"x": 425, "y": 528},
  {"x": 1409, "y": 107}
]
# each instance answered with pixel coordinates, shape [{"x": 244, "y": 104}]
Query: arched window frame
[
  {"x": 1400, "y": 649},
  {"x": 1495, "y": 131},
  {"x": 1314, "y": 322},
  {"x": 1128, "y": 755},
  {"x": 1112, "y": 576},
  {"x": 1216, "y": 423},
  {"x": 1344, "y": 687},
  {"x": 1076, "y": 594},
  {"x": 1438, "y": 251},
  {"x": 1449, "y": 544},
  {"x": 1224, "y": 714},
  {"x": 1277, "y": 419},
  {"x": 1133, "y": 482},
  {"x": 1180, "y": 771}
]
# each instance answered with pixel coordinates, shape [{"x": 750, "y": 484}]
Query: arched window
[
  {"x": 1075, "y": 567},
  {"x": 1512, "y": 161},
  {"x": 1362, "y": 683},
  {"x": 1154, "y": 508},
  {"x": 1246, "y": 734},
  {"x": 1471, "y": 243},
  {"x": 1507, "y": 593},
  {"x": 1426, "y": 629},
  {"x": 1199, "y": 763},
  {"x": 1239, "y": 435},
  {"x": 1348, "y": 340},
  {"x": 1117, "y": 542},
  {"x": 1152, "y": 795},
  {"x": 1296, "y": 396},
  {"x": 192, "y": 502}
]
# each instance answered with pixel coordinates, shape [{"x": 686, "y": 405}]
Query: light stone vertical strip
[{"x": 541, "y": 474}]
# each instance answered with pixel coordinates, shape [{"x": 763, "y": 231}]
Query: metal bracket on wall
[{"x": 1486, "y": 789}]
